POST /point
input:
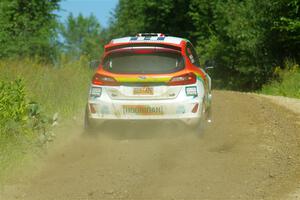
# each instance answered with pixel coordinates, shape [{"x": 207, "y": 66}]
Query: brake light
[
  {"x": 92, "y": 108},
  {"x": 195, "y": 109},
  {"x": 185, "y": 79},
  {"x": 104, "y": 80}
]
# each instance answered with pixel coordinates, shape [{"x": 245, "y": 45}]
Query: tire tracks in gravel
[{"x": 250, "y": 151}]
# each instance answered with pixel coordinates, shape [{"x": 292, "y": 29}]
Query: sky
[{"x": 100, "y": 8}]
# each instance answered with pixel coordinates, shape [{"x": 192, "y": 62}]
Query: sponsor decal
[{"x": 142, "y": 109}]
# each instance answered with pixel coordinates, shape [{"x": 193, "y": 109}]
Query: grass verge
[
  {"x": 57, "y": 90},
  {"x": 286, "y": 82}
]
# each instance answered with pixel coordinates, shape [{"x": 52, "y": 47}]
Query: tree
[
  {"x": 286, "y": 29},
  {"x": 82, "y": 36},
  {"x": 247, "y": 39},
  {"x": 165, "y": 16},
  {"x": 235, "y": 38},
  {"x": 28, "y": 28}
]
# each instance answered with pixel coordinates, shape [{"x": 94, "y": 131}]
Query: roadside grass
[
  {"x": 286, "y": 82},
  {"x": 57, "y": 90}
]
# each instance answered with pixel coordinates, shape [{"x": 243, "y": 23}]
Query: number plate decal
[{"x": 143, "y": 91}]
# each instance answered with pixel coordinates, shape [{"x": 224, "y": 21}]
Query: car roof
[
  {"x": 140, "y": 39},
  {"x": 167, "y": 39}
]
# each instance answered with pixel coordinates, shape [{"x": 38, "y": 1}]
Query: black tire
[
  {"x": 88, "y": 126},
  {"x": 208, "y": 117},
  {"x": 199, "y": 128}
]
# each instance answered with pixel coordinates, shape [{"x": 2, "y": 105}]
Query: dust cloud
[{"x": 250, "y": 151}]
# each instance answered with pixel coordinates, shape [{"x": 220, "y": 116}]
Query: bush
[
  {"x": 286, "y": 81},
  {"x": 60, "y": 88},
  {"x": 25, "y": 125},
  {"x": 20, "y": 118}
]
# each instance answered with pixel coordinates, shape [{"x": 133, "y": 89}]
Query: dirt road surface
[{"x": 250, "y": 151}]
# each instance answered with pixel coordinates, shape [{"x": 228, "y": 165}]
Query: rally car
[{"x": 149, "y": 77}]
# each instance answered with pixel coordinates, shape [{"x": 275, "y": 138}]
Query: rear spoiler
[{"x": 110, "y": 48}]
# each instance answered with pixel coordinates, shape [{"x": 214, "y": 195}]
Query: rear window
[{"x": 137, "y": 63}]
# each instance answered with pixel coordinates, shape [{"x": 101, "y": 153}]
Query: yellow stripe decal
[
  {"x": 149, "y": 79},
  {"x": 140, "y": 80}
]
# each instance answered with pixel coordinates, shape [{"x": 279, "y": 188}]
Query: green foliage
[
  {"x": 286, "y": 81},
  {"x": 19, "y": 117},
  {"x": 61, "y": 89},
  {"x": 28, "y": 28},
  {"x": 242, "y": 38},
  {"x": 12, "y": 102},
  {"x": 134, "y": 16},
  {"x": 246, "y": 39},
  {"x": 25, "y": 125},
  {"x": 286, "y": 29},
  {"x": 128, "y": 18},
  {"x": 236, "y": 42},
  {"x": 82, "y": 37}
]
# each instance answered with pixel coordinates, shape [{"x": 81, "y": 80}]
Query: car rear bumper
[
  {"x": 180, "y": 106},
  {"x": 187, "y": 111}
]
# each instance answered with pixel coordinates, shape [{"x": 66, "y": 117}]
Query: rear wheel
[
  {"x": 198, "y": 128},
  {"x": 208, "y": 115},
  {"x": 88, "y": 126}
]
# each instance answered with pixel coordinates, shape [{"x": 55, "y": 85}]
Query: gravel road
[{"x": 250, "y": 151}]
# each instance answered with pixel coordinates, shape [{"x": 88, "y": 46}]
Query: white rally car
[{"x": 148, "y": 77}]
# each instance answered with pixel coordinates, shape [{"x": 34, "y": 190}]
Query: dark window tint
[
  {"x": 192, "y": 55},
  {"x": 150, "y": 63}
]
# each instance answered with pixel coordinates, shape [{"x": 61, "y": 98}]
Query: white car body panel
[{"x": 175, "y": 104}]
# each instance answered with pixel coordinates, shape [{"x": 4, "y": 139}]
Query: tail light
[
  {"x": 195, "y": 108},
  {"x": 104, "y": 80},
  {"x": 92, "y": 108},
  {"x": 185, "y": 79}
]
